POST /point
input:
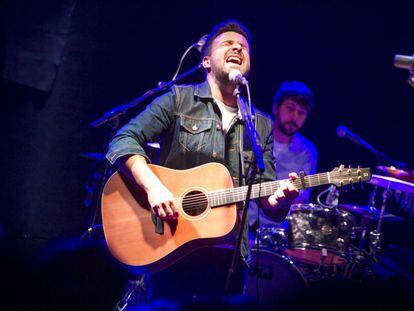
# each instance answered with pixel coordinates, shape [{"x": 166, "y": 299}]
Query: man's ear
[{"x": 206, "y": 62}]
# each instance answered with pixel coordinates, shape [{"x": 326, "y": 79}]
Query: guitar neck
[{"x": 234, "y": 195}]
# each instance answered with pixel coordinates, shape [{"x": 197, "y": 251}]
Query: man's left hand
[{"x": 285, "y": 194}]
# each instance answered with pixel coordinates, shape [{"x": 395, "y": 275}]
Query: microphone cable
[{"x": 198, "y": 45}]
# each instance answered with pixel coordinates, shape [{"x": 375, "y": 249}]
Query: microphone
[
  {"x": 236, "y": 76},
  {"x": 200, "y": 43},
  {"x": 404, "y": 62},
  {"x": 343, "y": 132}
]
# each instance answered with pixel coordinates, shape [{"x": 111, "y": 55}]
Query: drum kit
[{"x": 318, "y": 242}]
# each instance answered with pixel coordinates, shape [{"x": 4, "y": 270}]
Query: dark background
[{"x": 65, "y": 63}]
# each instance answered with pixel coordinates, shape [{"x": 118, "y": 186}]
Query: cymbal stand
[
  {"x": 365, "y": 227},
  {"x": 375, "y": 236},
  {"x": 135, "y": 286},
  {"x": 372, "y": 197}
]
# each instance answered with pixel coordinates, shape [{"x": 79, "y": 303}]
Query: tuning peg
[
  {"x": 341, "y": 168},
  {"x": 359, "y": 173}
]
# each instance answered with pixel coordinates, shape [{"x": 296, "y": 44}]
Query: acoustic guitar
[{"x": 206, "y": 200}]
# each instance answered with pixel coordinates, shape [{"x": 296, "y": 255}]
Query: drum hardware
[
  {"x": 332, "y": 240},
  {"x": 370, "y": 241},
  {"x": 270, "y": 237},
  {"x": 136, "y": 287},
  {"x": 372, "y": 196},
  {"x": 375, "y": 236}
]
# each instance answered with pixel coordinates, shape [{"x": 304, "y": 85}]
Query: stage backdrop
[{"x": 65, "y": 63}]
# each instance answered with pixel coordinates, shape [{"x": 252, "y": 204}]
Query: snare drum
[{"x": 318, "y": 235}]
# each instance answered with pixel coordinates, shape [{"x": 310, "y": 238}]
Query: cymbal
[
  {"x": 364, "y": 210},
  {"x": 93, "y": 156},
  {"x": 367, "y": 213},
  {"x": 391, "y": 183},
  {"x": 397, "y": 173}
]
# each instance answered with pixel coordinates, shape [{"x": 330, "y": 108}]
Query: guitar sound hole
[{"x": 194, "y": 203}]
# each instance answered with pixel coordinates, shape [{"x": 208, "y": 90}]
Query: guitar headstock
[{"x": 341, "y": 176}]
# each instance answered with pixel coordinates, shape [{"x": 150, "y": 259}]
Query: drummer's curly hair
[{"x": 226, "y": 26}]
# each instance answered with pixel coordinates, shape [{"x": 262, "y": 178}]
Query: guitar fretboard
[{"x": 233, "y": 195}]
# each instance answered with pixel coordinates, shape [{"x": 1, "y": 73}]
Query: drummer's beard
[{"x": 289, "y": 128}]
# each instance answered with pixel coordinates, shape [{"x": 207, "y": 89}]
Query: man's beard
[
  {"x": 222, "y": 76},
  {"x": 284, "y": 129}
]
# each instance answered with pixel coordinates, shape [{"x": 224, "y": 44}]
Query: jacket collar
[{"x": 203, "y": 90}]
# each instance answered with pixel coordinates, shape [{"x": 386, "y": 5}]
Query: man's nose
[
  {"x": 236, "y": 46},
  {"x": 294, "y": 114}
]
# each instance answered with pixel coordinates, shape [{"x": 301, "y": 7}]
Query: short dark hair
[
  {"x": 297, "y": 91},
  {"x": 226, "y": 26}
]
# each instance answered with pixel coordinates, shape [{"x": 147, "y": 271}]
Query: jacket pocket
[{"x": 194, "y": 133}]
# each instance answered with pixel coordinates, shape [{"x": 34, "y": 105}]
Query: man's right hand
[
  {"x": 162, "y": 203},
  {"x": 160, "y": 198}
]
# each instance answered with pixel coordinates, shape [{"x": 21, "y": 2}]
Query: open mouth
[{"x": 235, "y": 59}]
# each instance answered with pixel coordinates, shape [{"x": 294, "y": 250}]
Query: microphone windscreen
[
  {"x": 233, "y": 74},
  {"x": 341, "y": 131},
  {"x": 404, "y": 62},
  {"x": 199, "y": 45}
]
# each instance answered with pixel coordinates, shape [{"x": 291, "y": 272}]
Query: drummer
[{"x": 292, "y": 151}]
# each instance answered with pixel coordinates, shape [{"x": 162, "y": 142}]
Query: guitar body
[{"x": 129, "y": 225}]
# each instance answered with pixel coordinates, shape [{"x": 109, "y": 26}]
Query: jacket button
[
  {"x": 214, "y": 154},
  {"x": 218, "y": 127}
]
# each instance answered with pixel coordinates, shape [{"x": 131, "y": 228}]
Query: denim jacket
[{"x": 188, "y": 125}]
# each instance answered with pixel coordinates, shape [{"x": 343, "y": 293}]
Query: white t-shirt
[
  {"x": 227, "y": 114},
  {"x": 279, "y": 148}
]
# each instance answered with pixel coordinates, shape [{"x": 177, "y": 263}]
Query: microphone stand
[
  {"x": 104, "y": 175},
  {"x": 113, "y": 116},
  {"x": 257, "y": 164},
  {"x": 378, "y": 154},
  {"x": 122, "y": 109}
]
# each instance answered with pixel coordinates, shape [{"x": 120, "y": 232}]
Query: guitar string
[{"x": 224, "y": 193}]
